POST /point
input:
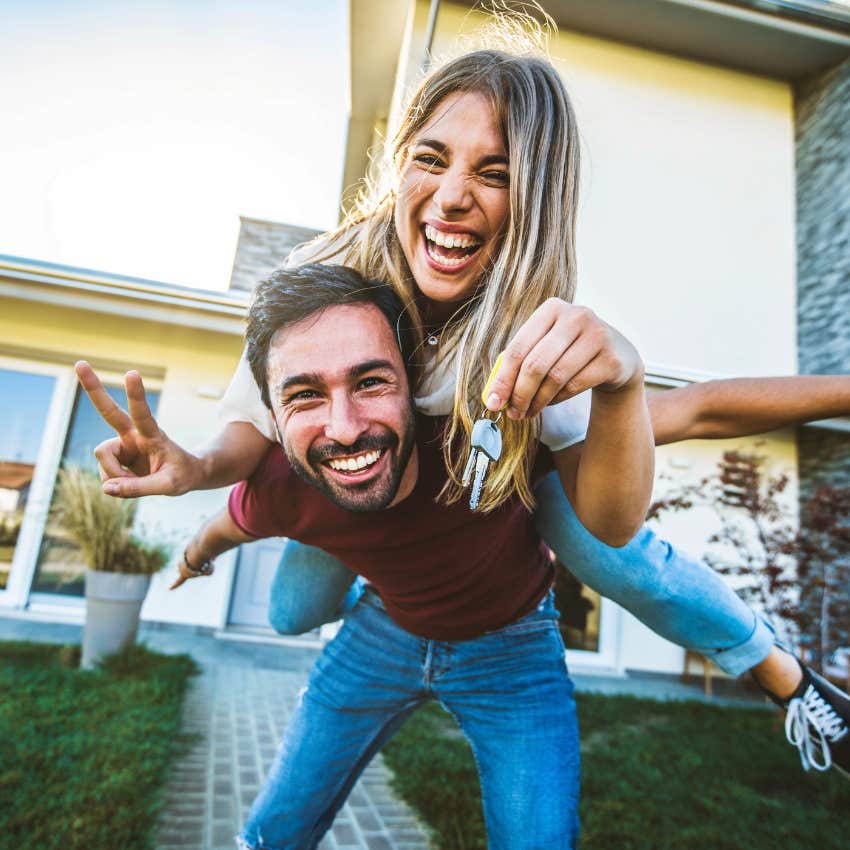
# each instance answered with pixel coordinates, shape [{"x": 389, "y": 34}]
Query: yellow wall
[{"x": 184, "y": 360}]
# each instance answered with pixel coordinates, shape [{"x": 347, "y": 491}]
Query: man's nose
[
  {"x": 453, "y": 192},
  {"x": 346, "y": 422}
]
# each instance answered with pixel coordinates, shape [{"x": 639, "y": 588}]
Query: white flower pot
[{"x": 113, "y": 603}]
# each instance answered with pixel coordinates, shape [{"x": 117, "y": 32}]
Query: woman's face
[{"x": 452, "y": 204}]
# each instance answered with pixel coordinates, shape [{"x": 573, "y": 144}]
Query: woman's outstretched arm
[{"x": 739, "y": 407}]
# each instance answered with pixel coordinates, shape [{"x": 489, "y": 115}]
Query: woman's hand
[
  {"x": 561, "y": 351},
  {"x": 142, "y": 460}
]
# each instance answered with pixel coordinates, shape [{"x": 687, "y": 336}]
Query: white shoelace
[{"x": 810, "y": 724}]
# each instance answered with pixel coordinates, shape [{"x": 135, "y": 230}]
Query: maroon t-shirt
[{"x": 443, "y": 572}]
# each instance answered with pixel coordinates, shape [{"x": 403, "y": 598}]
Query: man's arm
[
  {"x": 740, "y": 407},
  {"x": 215, "y": 537},
  {"x": 143, "y": 461}
]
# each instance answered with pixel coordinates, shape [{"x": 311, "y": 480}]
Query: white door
[{"x": 255, "y": 570}]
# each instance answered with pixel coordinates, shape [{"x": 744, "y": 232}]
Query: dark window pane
[{"x": 579, "y": 606}]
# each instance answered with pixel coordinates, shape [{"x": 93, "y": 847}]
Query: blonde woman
[{"x": 475, "y": 230}]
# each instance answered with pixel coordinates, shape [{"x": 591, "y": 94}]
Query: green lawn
[
  {"x": 83, "y": 754},
  {"x": 655, "y": 776}
]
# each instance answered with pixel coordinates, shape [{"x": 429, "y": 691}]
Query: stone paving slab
[{"x": 238, "y": 714}]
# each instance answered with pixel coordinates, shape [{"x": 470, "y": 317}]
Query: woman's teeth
[
  {"x": 449, "y": 240},
  {"x": 449, "y": 249},
  {"x": 352, "y": 464}
]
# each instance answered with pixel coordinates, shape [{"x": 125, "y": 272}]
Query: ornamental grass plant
[{"x": 100, "y": 526}]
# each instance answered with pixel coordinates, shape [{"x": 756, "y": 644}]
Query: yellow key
[{"x": 490, "y": 380}]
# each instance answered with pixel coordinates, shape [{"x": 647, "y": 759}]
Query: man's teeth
[
  {"x": 449, "y": 240},
  {"x": 352, "y": 464}
]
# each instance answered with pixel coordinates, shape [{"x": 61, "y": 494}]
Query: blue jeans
[
  {"x": 674, "y": 594},
  {"x": 508, "y": 690}
]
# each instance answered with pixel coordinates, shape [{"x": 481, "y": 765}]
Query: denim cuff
[{"x": 738, "y": 659}]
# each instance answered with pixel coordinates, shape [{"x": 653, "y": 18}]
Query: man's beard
[{"x": 372, "y": 495}]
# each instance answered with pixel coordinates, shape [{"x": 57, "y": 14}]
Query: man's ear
[{"x": 276, "y": 427}]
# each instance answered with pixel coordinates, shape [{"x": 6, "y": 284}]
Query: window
[{"x": 24, "y": 401}]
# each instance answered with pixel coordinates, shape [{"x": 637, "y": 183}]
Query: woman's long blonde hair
[{"x": 536, "y": 260}]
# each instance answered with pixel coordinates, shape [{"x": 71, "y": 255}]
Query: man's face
[{"x": 340, "y": 395}]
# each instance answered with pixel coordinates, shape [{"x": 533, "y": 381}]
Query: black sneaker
[{"x": 818, "y": 724}]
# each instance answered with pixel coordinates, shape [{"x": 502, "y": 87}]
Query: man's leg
[
  {"x": 361, "y": 689},
  {"x": 513, "y": 699},
  {"x": 310, "y": 588}
]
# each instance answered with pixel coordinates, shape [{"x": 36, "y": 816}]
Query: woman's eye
[
  {"x": 429, "y": 160},
  {"x": 499, "y": 178}
]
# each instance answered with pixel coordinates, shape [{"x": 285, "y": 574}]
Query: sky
[{"x": 134, "y": 134}]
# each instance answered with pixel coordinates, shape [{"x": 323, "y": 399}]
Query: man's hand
[
  {"x": 215, "y": 536},
  {"x": 141, "y": 460},
  {"x": 561, "y": 351},
  {"x": 185, "y": 572}
]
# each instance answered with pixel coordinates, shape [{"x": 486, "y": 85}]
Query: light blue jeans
[
  {"x": 508, "y": 690},
  {"x": 674, "y": 594}
]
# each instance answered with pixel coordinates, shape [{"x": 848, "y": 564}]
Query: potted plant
[{"x": 120, "y": 564}]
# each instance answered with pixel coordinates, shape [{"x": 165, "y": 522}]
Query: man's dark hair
[{"x": 287, "y": 296}]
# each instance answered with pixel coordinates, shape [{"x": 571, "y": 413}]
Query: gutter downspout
[{"x": 429, "y": 34}]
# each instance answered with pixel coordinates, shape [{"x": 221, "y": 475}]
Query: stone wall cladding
[
  {"x": 824, "y": 458},
  {"x": 822, "y": 108},
  {"x": 823, "y": 255},
  {"x": 823, "y": 221},
  {"x": 262, "y": 247}
]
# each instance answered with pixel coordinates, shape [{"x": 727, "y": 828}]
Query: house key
[{"x": 486, "y": 446}]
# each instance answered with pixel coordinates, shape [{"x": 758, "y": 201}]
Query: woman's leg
[
  {"x": 675, "y": 595},
  {"x": 310, "y": 588}
]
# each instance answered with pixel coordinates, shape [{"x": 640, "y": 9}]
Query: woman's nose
[{"x": 453, "y": 192}]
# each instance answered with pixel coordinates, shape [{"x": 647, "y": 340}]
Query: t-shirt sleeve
[
  {"x": 260, "y": 505},
  {"x": 242, "y": 403},
  {"x": 565, "y": 424}
]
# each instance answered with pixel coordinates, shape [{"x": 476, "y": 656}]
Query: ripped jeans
[
  {"x": 672, "y": 593},
  {"x": 508, "y": 690}
]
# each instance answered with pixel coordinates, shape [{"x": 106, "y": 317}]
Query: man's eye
[
  {"x": 303, "y": 395},
  {"x": 371, "y": 383}
]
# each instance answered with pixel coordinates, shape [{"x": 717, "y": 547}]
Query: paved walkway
[{"x": 239, "y": 714}]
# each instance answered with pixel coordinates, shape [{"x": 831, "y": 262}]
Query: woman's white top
[{"x": 563, "y": 424}]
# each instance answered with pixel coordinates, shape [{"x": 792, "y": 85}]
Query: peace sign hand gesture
[{"x": 141, "y": 460}]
